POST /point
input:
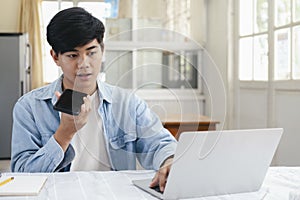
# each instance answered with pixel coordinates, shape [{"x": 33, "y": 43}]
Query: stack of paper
[{"x": 21, "y": 185}]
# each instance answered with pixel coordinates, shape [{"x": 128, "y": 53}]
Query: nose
[{"x": 82, "y": 62}]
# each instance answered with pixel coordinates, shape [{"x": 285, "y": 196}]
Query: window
[
  {"x": 253, "y": 40},
  {"x": 178, "y": 15},
  {"x": 257, "y": 27},
  {"x": 152, "y": 48},
  {"x": 286, "y": 35}
]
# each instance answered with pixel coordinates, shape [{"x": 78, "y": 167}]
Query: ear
[{"x": 55, "y": 57}]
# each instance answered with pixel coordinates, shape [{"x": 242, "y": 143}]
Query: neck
[{"x": 88, "y": 91}]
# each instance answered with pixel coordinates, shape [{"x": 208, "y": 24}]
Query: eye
[
  {"x": 72, "y": 55},
  {"x": 92, "y": 53}
]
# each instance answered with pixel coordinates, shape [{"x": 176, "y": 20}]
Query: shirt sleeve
[
  {"x": 155, "y": 143},
  {"x": 29, "y": 154}
]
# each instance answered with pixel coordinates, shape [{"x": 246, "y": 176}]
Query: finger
[
  {"x": 57, "y": 94},
  {"x": 154, "y": 181},
  {"x": 162, "y": 179},
  {"x": 83, "y": 108},
  {"x": 87, "y": 102}
]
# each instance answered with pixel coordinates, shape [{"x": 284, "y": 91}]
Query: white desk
[{"x": 279, "y": 183}]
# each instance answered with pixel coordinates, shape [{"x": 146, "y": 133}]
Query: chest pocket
[{"x": 121, "y": 141}]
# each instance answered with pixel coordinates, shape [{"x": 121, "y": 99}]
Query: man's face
[{"x": 80, "y": 66}]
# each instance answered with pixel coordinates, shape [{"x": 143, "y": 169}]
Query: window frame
[{"x": 272, "y": 29}]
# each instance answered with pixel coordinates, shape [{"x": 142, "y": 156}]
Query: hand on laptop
[{"x": 161, "y": 175}]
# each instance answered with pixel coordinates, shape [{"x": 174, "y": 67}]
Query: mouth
[{"x": 84, "y": 76}]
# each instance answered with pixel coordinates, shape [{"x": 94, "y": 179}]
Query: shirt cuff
[
  {"x": 59, "y": 158},
  {"x": 164, "y": 154}
]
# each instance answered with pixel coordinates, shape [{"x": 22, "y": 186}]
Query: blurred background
[{"x": 230, "y": 64}]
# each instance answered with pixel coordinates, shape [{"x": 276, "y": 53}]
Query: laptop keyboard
[{"x": 156, "y": 188}]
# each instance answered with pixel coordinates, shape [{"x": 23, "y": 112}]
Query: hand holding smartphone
[{"x": 70, "y": 102}]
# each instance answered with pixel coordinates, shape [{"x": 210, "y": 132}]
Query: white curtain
[{"x": 30, "y": 23}]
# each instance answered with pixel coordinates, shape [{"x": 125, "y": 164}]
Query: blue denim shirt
[{"x": 131, "y": 131}]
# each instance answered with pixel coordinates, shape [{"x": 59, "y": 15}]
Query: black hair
[{"x": 73, "y": 27}]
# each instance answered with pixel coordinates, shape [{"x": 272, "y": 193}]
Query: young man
[{"x": 114, "y": 127}]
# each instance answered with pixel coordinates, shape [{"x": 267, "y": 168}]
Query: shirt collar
[
  {"x": 48, "y": 91},
  {"x": 104, "y": 92}
]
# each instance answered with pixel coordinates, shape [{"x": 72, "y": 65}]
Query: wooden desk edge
[{"x": 190, "y": 122}]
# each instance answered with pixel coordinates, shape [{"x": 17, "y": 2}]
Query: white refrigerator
[{"x": 15, "y": 59}]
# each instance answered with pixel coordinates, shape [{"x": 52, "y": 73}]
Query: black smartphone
[{"x": 70, "y": 102}]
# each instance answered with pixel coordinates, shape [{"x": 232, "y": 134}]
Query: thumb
[{"x": 57, "y": 94}]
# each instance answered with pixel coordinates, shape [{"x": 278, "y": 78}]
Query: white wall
[
  {"x": 215, "y": 61},
  {"x": 9, "y": 16},
  {"x": 252, "y": 107},
  {"x": 287, "y": 115},
  {"x": 198, "y": 21}
]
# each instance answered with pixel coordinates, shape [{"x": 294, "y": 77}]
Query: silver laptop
[{"x": 218, "y": 162}]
